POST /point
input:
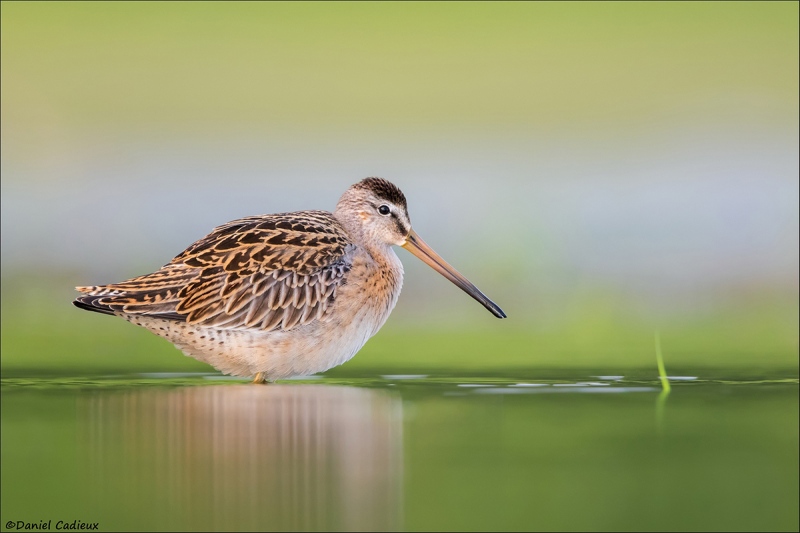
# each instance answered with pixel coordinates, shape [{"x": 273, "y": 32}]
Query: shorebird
[{"x": 282, "y": 295}]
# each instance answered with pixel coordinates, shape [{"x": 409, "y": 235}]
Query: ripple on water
[
  {"x": 583, "y": 384},
  {"x": 573, "y": 389},
  {"x": 433, "y": 384},
  {"x": 169, "y": 375},
  {"x": 218, "y": 377}
]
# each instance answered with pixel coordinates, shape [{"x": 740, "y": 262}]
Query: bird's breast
[{"x": 370, "y": 290}]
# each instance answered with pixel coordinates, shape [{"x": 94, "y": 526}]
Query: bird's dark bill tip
[{"x": 493, "y": 308}]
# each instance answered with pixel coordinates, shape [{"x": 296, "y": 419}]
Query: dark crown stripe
[{"x": 383, "y": 189}]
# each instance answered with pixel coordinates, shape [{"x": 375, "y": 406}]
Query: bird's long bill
[{"x": 420, "y": 248}]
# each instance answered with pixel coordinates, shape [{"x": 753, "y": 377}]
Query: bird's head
[
  {"x": 374, "y": 210},
  {"x": 378, "y": 209}
]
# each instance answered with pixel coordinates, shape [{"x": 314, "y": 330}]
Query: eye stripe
[{"x": 400, "y": 228}]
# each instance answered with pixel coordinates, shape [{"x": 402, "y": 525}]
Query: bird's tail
[
  {"x": 90, "y": 302},
  {"x": 154, "y": 294}
]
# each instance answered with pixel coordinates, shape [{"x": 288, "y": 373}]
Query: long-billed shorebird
[{"x": 290, "y": 294}]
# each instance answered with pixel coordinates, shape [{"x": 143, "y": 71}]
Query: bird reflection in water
[{"x": 282, "y": 457}]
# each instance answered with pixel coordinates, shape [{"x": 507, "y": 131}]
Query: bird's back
[{"x": 261, "y": 272}]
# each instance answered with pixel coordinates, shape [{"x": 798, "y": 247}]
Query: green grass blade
[{"x": 662, "y": 373}]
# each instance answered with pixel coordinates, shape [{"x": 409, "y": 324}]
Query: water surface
[{"x": 403, "y": 452}]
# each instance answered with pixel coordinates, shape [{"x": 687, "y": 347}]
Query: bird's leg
[{"x": 261, "y": 378}]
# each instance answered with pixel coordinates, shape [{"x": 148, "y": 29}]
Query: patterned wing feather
[{"x": 264, "y": 272}]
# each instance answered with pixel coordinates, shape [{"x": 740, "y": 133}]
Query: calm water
[{"x": 584, "y": 452}]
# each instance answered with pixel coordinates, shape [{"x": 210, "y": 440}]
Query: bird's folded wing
[{"x": 265, "y": 272}]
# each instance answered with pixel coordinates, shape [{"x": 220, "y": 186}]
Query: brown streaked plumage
[{"x": 274, "y": 296}]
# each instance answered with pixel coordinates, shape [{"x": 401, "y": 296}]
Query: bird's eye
[{"x": 384, "y": 210}]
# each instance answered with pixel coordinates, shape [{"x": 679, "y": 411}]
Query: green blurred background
[{"x": 601, "y": 170}]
